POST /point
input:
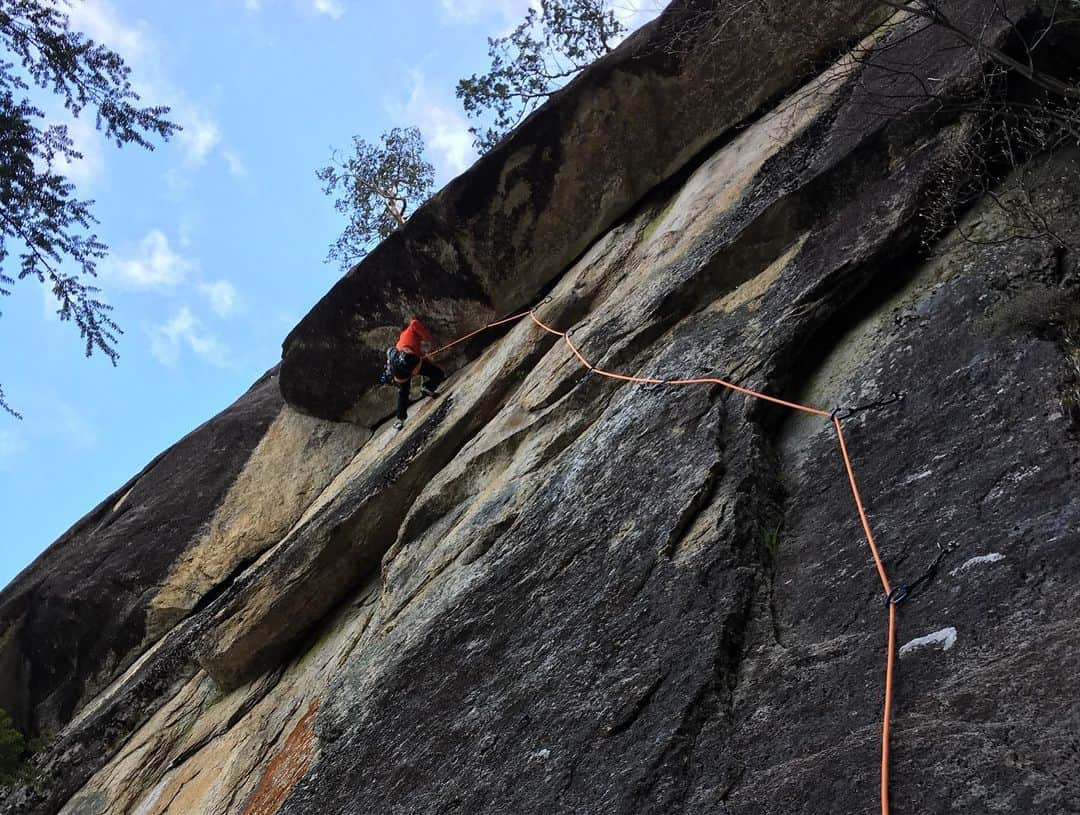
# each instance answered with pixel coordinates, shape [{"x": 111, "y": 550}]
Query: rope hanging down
[{"x": 892, "y": 596}]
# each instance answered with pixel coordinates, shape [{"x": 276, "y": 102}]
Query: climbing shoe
[
  {"x": 399, "y": 424},
  {"x": 428, "y": 392}
]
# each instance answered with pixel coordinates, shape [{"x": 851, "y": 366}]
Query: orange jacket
[{"x": 412, "y": 337}]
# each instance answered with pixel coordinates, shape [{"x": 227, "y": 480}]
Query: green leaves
[
  {"x": 551, "y": 45},
  {"x": 13, "y": 750},
  {"x": 375, "y": 185},
  {"x": 40, "y": 216}
]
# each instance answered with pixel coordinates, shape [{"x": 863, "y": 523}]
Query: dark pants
[{"x": 432, "y": 374}]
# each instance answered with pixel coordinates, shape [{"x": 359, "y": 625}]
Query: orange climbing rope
[
  {"x": 835, "y": 419},
  {"x": 646, "y": 380},
  {"x": 891, "y": 651},
  {"x": 472, "y": 334}
]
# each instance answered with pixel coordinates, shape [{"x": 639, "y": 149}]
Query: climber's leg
[{"x": 433, "y": 375}]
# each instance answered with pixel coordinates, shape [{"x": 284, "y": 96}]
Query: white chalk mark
[
  {"x": 993, "y": 557},
  {"x": 946, "y": 638},
  {"x": 911, "y": 479}
]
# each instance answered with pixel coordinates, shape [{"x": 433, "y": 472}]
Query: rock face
[
  {"x": 160, "y": 547},
  {"x": 560, "y": 593},
  {"x": 78, "y": 614},
  {"x": 495, "y": 236}
]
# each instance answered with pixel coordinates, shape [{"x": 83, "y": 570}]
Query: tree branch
[{"x": 933, "y": 14}]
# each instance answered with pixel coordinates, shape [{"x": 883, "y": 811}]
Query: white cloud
[
  {"x": 444, "y": 128},
  {"x": 85, "y": 171},
  {"x": 100, "y": 21},
  {"x": 334, "y": 9},
  {"x": 48, "y": 419},
  {"x": 185, "y": 330},
  {"x": 331, "y": 8},
  {"x": 178, "y": 180},
  {"x": 237, "y": 168},
  {"x": 221, "y": 295},
  {"x": 186, "y": 228},
  {"x": 152, "y": 265},
  {"x": 12, "y": 445},
  {"x": 631, "y": 13},
  {"x": 512, "y": 12},
  {"x": 449, "y": 138},
  {"x": 441, "y": 121},
  {"x": 201, "y": 134}
]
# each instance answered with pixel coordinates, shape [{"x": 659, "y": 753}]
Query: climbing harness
[
  {"x": 397, "y": 368},
  {"x": 892, "y": 596}
]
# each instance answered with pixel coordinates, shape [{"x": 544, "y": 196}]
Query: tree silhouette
[
  {"x": 42, "y": 222},
  {"x": 374, "y": 186},
  {"x": 552, "y": 44}
]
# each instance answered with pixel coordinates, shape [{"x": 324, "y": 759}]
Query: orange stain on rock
[{"x": 286, "y": 768}]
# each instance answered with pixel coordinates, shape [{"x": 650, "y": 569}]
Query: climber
[{"x": 404, "y": 361}]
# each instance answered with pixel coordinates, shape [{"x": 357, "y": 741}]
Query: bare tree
[
  {"x": 1021, "y": 101},
  {"x": 1024, "y": 103}
]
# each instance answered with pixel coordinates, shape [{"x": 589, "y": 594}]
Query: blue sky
[{"x": 217, "y": 238}]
